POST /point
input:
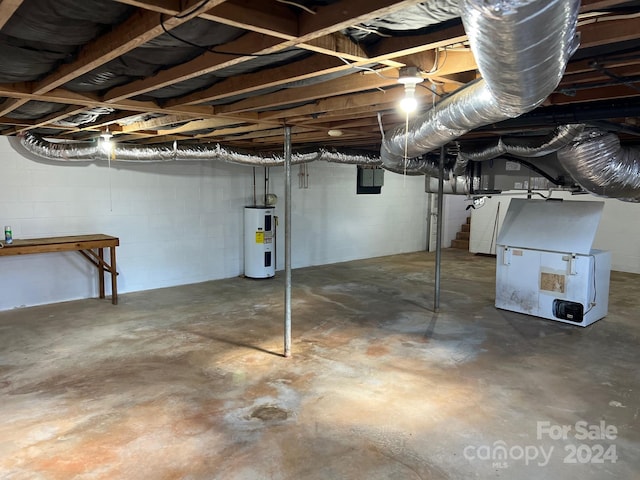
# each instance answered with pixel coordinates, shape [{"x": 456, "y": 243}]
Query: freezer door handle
[
  {"x": 506, "y": 256},
  {"x": 572, "y": 263}
]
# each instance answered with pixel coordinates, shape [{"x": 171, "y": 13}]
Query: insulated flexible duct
[
  {"x": 83, "y": 152},
  {"x": 600, "y": 165},
  {"x": 551, "y": 143},
  {"x": 410, "y": 18},
  {"x": 521, "y": 47}
]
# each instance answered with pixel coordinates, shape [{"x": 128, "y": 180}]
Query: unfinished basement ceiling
[{"x": 234, "y": 72}]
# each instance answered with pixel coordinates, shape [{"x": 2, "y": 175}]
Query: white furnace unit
[
  {"x": 545, "y": 264},
  {"x": 259, "y": 242}
]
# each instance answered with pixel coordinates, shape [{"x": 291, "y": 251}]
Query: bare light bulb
[
  {"x": 105, "y": 140},
  {"x": 409, "y": 104}
]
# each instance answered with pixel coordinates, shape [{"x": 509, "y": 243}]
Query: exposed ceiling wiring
[
  {"x": 628, "y": 81},
  {"x": 191, "y": 11},
  {"x": 430, "y": 87},
  {"x": 366, "y": 69},
  {"x": 302, "y": 7},
  {"x": 436, "y": 62},
  {"x": 598, "y": 18},
  {"x": 209, "y": 49},
  {"x": 380, "y": 124},
  {"x": 370, "y": 30}
]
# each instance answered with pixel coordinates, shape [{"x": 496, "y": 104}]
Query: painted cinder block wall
[{"x": 182, "y": 222}]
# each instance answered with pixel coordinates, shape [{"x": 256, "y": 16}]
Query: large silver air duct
[
  {"x": 521, "y": 47},
  {"x": 600, "y": 165}
]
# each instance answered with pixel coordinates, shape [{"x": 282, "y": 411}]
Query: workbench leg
[
  {"x": 114, "y": 276},
  {"x": 101, "y": 272}
]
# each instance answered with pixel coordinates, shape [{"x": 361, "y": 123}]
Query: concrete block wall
[
  {"x": 333, "y": 224},
  {"x": 181, "y": 223}
]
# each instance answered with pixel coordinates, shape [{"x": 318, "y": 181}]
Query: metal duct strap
[
  {"x": 598, "y": 162},
  {"x": 521, "y": 47}
]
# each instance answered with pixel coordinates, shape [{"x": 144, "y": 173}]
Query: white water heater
[{"x": 259, "y": 242}]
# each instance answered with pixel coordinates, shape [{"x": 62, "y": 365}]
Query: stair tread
[{"x": 461, "y": 244}]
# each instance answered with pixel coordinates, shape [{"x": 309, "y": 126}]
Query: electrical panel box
[
  {"x": 369, "y": 179},
  {"x": 545, "y": 265},
  {"x": 378, "y": 177}
]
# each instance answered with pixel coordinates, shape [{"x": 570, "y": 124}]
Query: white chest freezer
[{"x": 545, "y": 265}]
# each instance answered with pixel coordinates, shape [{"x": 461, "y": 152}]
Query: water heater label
[{"x": 259, "y": 237}]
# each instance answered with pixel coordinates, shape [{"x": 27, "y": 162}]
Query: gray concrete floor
[{"x": 188, "y": 382}]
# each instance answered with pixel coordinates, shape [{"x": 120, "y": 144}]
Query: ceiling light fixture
[
  {"x": 105, "y": 140},
  {"x": 409, "y": 77},
  {"x": 106, "y": 135}
]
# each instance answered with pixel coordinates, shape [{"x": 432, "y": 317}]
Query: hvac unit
[
  {"x": 545, "y": 264},
  {"x": 259, "y": 242}
]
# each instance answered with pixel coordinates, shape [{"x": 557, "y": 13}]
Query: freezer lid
[{"x": 559, "y": 226}]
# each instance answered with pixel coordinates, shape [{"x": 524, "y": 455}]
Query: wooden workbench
[{"x": 90, "y": 247}]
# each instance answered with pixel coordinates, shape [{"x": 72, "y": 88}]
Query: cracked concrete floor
[{"x": 187, "y": 382}]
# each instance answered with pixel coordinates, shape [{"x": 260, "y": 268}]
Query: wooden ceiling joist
[
  {"x": 267, "y": 18},
  {"x": 7, "y": 9},
  {"x": 154, "y": 123},
  {"x": 592, "y": 94},
  {"x": 55, "y": 117},
  {"x": 249, "y": 44},
  {"x": 603, "y": 32},
  {"x": 340, "y": 86},
  {"x": 314, "y": 66},
  {"x": 138, "y": 29},
  {"x": 10, "y": 104},
  {"x": 196, "y": 125}
]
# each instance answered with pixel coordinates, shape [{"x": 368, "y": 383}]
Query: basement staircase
[{"x": 462, "y": 237}]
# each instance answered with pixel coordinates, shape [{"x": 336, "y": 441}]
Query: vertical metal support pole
[
  {"x": 287, "y": 241},
  {"x": 429, "y": 208},
  {"x": 436, "y": 297}
]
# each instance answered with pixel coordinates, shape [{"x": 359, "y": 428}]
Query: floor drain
[{"x": 269, "y": 412}]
